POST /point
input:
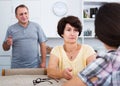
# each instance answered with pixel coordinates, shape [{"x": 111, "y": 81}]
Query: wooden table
[{"x": 27, "y": 80}]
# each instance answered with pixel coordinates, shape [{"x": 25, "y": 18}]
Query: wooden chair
[{"x": 24, "y": 71}]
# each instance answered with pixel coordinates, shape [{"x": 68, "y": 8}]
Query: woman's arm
[
  {"x": 91, "y": 58},
  {"x": 75, "y": 81},
  {"x": 53, "y": 71}
]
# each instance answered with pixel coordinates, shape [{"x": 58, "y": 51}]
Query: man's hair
[
  {"x": 107, "y": 24},
  {"x": 20, "y": 6}
]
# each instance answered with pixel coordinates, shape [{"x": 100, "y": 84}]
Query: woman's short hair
[
  {"x": 107, "y": 24},
  {"x": 72, "y": 20}
]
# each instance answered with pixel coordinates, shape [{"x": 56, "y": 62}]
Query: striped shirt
[{"x": 106, "y": 68}]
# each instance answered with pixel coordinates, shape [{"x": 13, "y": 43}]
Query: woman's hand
[{"x": 67, "y": 73}]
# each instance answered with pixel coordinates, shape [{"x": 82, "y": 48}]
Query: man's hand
[
  {"x": 43, "y": 65},
  {"x": 9, "y": 41}
]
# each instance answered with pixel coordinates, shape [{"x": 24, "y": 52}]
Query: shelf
[
  {"x": 97, "y": 1},
  {"x": 90, "y": 8},
  {"x": 101, "y": 1},
  {"x": 89, "y": 36},
  {"x": 94, "y": 3},
  {"x": 89, "y": 19}
]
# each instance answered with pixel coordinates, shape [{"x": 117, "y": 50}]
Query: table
[{"x": 27, "y": 80}]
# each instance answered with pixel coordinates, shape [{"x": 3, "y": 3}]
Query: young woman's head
[
  {"x": 107, "y": 24},
  {"x": 70, "y": 20}
]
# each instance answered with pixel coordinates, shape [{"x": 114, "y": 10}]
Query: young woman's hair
[
  {"x": 72, "y": 20},
  {"x": 107, "y": 24}
]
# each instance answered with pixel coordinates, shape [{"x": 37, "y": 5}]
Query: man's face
[{"x": 22, "y": 15}]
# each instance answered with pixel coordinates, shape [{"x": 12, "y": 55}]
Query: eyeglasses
[{"x": 39, "y": 80}]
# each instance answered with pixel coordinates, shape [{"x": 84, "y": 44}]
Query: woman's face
[{"x": 70, "y": 34}]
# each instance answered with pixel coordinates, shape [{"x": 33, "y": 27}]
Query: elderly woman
[{"x": 71, "y": 57}]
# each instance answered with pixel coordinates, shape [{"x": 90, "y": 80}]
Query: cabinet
[{"x": 90, "y": 8}]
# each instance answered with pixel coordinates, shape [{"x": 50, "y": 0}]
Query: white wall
[
  {"x": 40, "y": 12},
  {"x": 5, "y": 18},
  {"x": 49, "y": 20}
]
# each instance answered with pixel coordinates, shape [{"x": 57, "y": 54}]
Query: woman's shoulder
[
  {"x": 57, "y": 50},
  {"x": 58, "y": 47}
]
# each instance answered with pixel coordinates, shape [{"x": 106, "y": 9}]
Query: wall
[
  {"x": 40, "y": 12},
  {"x": 49, "y": 20}
]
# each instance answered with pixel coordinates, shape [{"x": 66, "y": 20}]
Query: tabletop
[{"x": 27, "y": 80}]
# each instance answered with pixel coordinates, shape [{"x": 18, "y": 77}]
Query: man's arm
[
  {"x": 43, "y": 55},
  {"x": 75, "y": 81}
]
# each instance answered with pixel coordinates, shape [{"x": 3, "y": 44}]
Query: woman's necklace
[
  {"x": 72, "y": 53},
  {"x": 71, "y": 57}
]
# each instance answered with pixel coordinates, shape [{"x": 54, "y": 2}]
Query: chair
[{"x": 24, "y": 71}]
